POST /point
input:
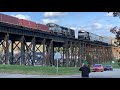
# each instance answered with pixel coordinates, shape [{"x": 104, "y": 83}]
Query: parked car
[
  {"x": 98, "y": 68},
  {"x": 108, "y": 67}
]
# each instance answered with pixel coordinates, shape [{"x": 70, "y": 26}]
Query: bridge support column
[
  {"x": 6, "y": 48},
  {"x": 12, "y": 52},
  {"x": 85, "y": 48},
  {"x": 76, "y": 54},
  {"x": 63, "y": 55},
  {"x": 92, "y": 55},
  {"x": 107, "y": 54},
  {"x": 89, "y": 54},
  {"x": 96, "y": 56},
  {"x": 33, "y": 50},
  {"x": 99, "y": 54},
  {"x": 83, "y": 52},
  {"x": 111, "y": 55},
  {"x": 44, "y": 59},
  {"x": 71, "y": 53},
  {"x": 73, "y": 57},
  {"x": 66, "y": 48},
  {"x": 79, "y": 54},
  {"x": 50, "y": 52},
  {"x": 103, "y": 51},
  {"x": 22, "y": 60}
]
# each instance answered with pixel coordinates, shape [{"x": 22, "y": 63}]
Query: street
[{"x": 106, "y": 74}]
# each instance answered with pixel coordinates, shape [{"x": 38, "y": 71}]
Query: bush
[{"x": 118, "y": 62}]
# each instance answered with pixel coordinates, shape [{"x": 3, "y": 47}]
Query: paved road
[{"x": 106, "y": 74}]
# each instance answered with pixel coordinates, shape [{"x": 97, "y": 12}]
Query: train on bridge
[
  {"x": 54, "y": 28},
  {"x": 25, "y": 42}
]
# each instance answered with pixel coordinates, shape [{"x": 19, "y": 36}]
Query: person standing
[{"x": 85, "y": 70}]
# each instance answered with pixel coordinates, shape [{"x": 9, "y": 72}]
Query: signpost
[{"x": 57, "y": 57}]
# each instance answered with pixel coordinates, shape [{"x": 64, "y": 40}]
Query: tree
[
  {"x": 116, "y": 30},
  {"x": 116, "y": 14}
]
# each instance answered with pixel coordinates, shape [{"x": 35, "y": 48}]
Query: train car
[
  {"x": 101, "y": 39},
  {"x": 83, "y": 35},
  {"x": 28, "y": 24},
  {"x": 107, "y": 41},
  {"x": 22, "y": 22},
  {"x": 94, "y": 37},
  {"x": 60, "y": 30},
  {"x": 72, "y": 33},
  {"x": 43, "y": 27},
  {"x": 55, "y": 28},
  {"x": 9, "y": 19},
  {"x": 65, "y": 31}
]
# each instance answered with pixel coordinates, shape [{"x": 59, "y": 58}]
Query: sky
[{"x": 95, "y": 22}]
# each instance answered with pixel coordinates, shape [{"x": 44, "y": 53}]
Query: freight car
[
  {"x": 28, "y": 24},
  {"x": 84, "y": 35},
  {"x": 43, "y": 27},
  {"x": 60, "y": 30},
  {"x": 9, "y": 19},
  {"x": 24, "y": 23}
]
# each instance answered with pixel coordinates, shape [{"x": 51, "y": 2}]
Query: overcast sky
[{"x": 95, "y": 22}]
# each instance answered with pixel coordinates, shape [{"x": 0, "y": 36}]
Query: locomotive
[
  {"x": 60, "y": 30},
  {"x": 84, "y": 35}
]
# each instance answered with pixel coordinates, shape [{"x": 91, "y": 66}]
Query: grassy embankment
[{"x": 38, "y": 70}]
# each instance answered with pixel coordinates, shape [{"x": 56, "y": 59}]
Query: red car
[{"x": 98, "y": 68}]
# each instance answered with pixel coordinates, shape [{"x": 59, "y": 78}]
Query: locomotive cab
[{"x": 83, "y": 35}]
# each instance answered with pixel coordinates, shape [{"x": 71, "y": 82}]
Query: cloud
[
  {"x": 45, "y": 21},
  {"x": 97, "y": 25},
  {"x": 21, "y": 16},
  {"x": 76, "y": 31},
  {"x": 54, "y": 14},
  {"x": 108, "y": 27},
  {"x": 86, "y": 28},
  {"x": 74, "y": 28},
  {"x": 110, "y": 14}
]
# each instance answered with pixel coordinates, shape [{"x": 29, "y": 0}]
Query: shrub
[{"x": 118, "y": 62}]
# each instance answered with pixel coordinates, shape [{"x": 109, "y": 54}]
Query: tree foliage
[
  {"x": 115, "y": 30},
  {"x": 116, "y": 14}
]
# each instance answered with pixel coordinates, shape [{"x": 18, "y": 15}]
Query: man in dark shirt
[{"x": 85, "y": 71}]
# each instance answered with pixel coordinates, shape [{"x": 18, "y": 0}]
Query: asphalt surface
[{"x": 106, "y": 74}]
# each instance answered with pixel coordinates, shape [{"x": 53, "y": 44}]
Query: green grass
[{"x": 38, "y": 70}]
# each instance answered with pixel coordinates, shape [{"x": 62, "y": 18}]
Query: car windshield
[
  {"x": 108, "y": 66},
  {"x": 97, "y": 65}
]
